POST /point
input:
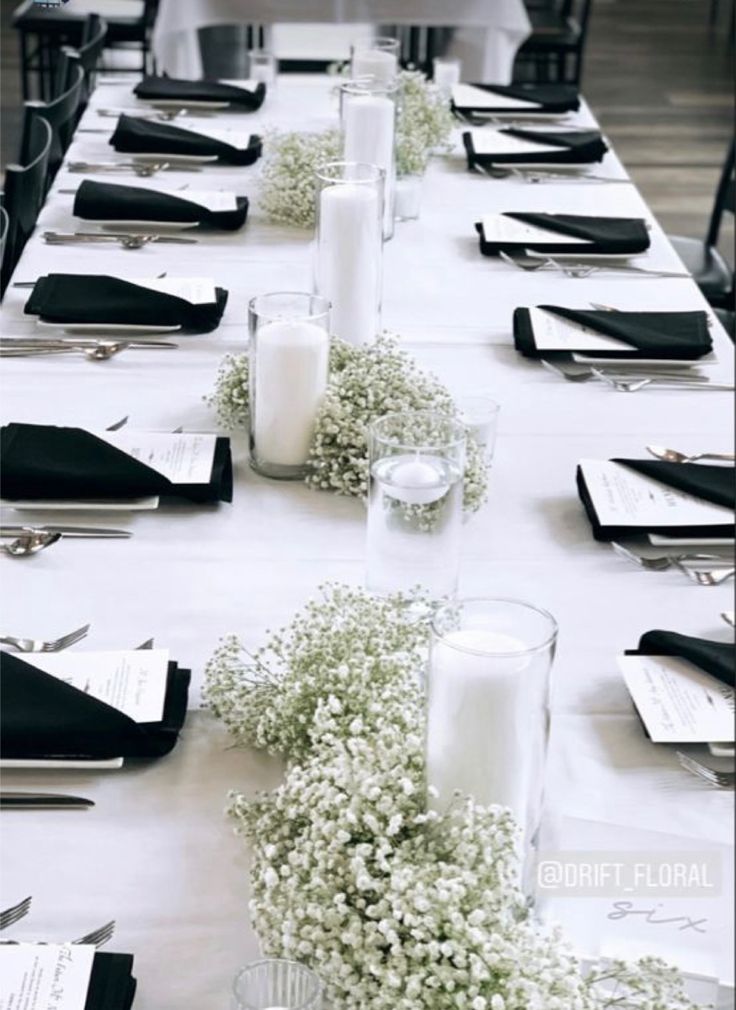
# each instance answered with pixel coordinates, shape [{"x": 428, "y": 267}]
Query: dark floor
[{"x": 657, "y": 74}]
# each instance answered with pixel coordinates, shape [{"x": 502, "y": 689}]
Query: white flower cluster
[
  {"x": 425, "y": 122},
  {"x": 395, "y": 907},
  {"x": 287, "y": 186},
  {"x": 365, "y": 383}
]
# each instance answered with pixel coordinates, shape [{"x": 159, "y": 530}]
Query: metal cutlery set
[
  {"x": 546, "y": 174},
  {"x": 14, "y": 914},
  {"x": 128, "y": 240},
  {"x": 531, "y": 262},
  {"x": 28, "y": 540},
  {"x": 141, "y": 168},
  {"x": 92, "y": 348}
]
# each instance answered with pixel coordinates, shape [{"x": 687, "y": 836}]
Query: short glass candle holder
[
  {"x": 376, "y": 59},
  {"x": 348, "y": 267},
  {"x": 479, "y": 413},
  {"x": 446, "y": 73},
  {"x": 488, "y": 706},
  {"x": 415, "y": 503},
  {"x": 289, "y": 351},
  {"x": 277, "y": 985},
  {"x": 262, "y": 66},
  {"x": 408, "y": 200}
]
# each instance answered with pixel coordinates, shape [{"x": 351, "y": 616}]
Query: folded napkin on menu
[
  {"x": 111, "y": 985},
  {"x": 561, "y": 233},
  {"x": 45, "y": 718},
  {"x": 134, "y": 135},
  {"x": 623, "y": 497},
  {"x": 192, "y": 303},
  {"x": 516, "y": 98},
  {"x": 716, "y": 658},
  {"x": 109, "y": 201},
  {"x": 153, "y": 88},
  {"x": 499, "y": 147},
  {"x": 47, "y": 463},
  {"x": 674, "y": 335}
]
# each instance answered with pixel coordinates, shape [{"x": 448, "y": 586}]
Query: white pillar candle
[
  {"x": 368, "y": 125},
  {"x": 349, "y": 259},
  {"x": 291, "y": 365},
  {"x": 481, "y": 721},
  {"x": 376, "y": 63},
  {"x": 446, "y": 74}
]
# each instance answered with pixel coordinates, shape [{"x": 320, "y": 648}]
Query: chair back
[
  {"x": 25, "y": 189},
  {"x": 60, "y": 114},
  {"x": 4, "y": 228},
  {"x": 88, "y": 56},
  {"x": 725, "y": 197}
]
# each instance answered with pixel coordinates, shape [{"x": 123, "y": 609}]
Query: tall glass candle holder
[
  {"x": 376, "y": 58},
  {"x": 262, "y": 66},
  {"x": 368, "y": 114},
  {"x": 446, "y": 73},
  {"x": 289, "y": 352},
  {"x": 277, "y": 985},
  {"x": 417, "y": 463},
  {"x": 348, "y": 269},
  {"x": 488, "y": 706},
  {"x": 479, "y": 413}
]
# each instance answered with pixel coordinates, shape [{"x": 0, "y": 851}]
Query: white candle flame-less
[
  {"x": 378, "y": 64},
  {"x": 369, "y": 131}
]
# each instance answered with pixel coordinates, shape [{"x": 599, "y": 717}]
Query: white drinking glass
[
  {"x": 277, "y": 985},
  {"x": 479, "y": 413},
  {"x": 446, "y": 73}
]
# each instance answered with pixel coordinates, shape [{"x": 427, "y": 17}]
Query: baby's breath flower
[
  {"x": 287, "y": 186},
  {"x": 424, "y": 125}
]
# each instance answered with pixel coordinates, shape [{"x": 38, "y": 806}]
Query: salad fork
[
  {"x": 15, "y": 913},
  {"x": 722, "y": 780},
  {"x": 38, "y": 645}
]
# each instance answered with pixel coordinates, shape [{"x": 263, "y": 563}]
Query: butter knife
[
  {"x": 66, "y": 531},
  {"x": 43, "y": 801},
  {"x": 114, "y": 236}
]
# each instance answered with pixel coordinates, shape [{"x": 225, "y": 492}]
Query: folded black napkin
[
  {"x": 622, "y": 235},
  {"x": 549, "y": 97},
  {"x": 43, "y": 717},
  {"x": 96, "y": 298},
  {"x": 134, "y": 135},
  {"x": 111, "y": 985},
  {"x": 40, "y": 461},
  {"x": 711, "y": 483},
  {"x": 109, "y": 201},
  {"x": 575, "y": 148},
  {"x": 652, "y": 334},
  {"x": 154, "y": 88},
  {"x": 716, "y": 658}
]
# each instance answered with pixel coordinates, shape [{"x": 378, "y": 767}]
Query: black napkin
[
  {"x": 575, "y": 148},
  {"x": 111, "y": 984},
  {"x": 715, "y": 658},
  {"x": 550, "y": 98},
  {"x": 652, "y": 334},
  {"x": 97, "y": 298},
  {"x": 711, "y": 483},
  {"x": 154, "y": 88},
  {"x": 622, "y": 235},
  {"x": 109, "y": 201},
  {"x": 134, "y": 135},
  {"x": 43, "y": 717},
  {"x": 40, "y": 461}
]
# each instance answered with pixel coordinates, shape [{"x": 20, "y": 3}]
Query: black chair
[
  {"x": 43, "y": 32},
  {"x": 4, "y": 227},
  {"x": 61, "y": 115},
  {"x": 88, "y": 56},
  {"x": 727, "y": 319},
  {"x": 710, "y": 271},
  {"x": 556, "y": 47},
  {"x": 25, "y": 189}
]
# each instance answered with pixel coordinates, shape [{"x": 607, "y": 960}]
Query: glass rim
[
  {"x": 451, "y": 442},
  {"x": 369, "y": 85},
  {"x": 323, "y": 173},
  {"x": 523, "y": 604},
  {"x": 254, "y": 965},
  {"x": 377, "y": 42},
  {"x": 306, "y": 317}
]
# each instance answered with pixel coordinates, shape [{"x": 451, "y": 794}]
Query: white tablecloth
[
  {"x": 489, "y": 31},
  {"x": 156, "y": 853}
]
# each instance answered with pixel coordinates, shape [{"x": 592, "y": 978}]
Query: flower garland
[
  {"x": 365, "y": 383},
  {"x": 394, "y": 906}
]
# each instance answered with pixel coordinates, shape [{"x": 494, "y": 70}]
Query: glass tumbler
[
  {"x": 479, "y": 413},
  {"x": 262, "y": 66},
  {"x": 376, "y": 58},
  {"x": 415, "y": 503},
  {"x": 277, "y": 985}
]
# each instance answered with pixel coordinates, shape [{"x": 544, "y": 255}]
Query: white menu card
[
  {"x": 554, "y": 333},
  {"x": 45, "y": 976},
  {"x": 182, "y": 458},
  {"x": 501, "y": 228},
  {"x": 469, "y": 97},
  {"x": 495, "y": 142}
]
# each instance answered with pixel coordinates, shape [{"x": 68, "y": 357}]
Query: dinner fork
[
  {"x": 587, "y": 373},
  {"x": 722, "y": 780},
  {"x": 96, "y": 938},
  {"x": 709, "y": 578},
  {"x": 15, "y": 913},
  {"x": 673, "y": 456},
  {"x": 37, "y": 645},
  {"x": 633, "y": 385},
  {"x": 660, "y": 564},
  {"x": 29, "y": 543}
]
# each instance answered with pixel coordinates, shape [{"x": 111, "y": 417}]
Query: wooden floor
[{"x": 657, "y": 75}]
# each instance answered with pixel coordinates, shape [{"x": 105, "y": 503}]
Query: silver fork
[
  {"x": 721, "y": 780},
  {"x": 38, "y": 645},
  {"x": 709, "y": 578},
  {"x": 673, "y": 456},
  {"x": 15, "y": 913},
  {"x": 630, "y": 385},
  {"x": 666, "y": 561},
  {"x": 96, "y": 938},
  {"x": 587, "y": 373}
]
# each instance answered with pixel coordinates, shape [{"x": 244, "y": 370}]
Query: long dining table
[{"x": 157, "y": 852}]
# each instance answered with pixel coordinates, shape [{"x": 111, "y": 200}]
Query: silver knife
[
  {"x": 114, "y": 236},
  {"x": 67, "y": 531},
  {"x": 43, "y": 801}
]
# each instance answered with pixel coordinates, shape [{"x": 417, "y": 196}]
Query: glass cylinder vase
[
  {"x": 368, "y": 117},
  {"x": 408, "y": 198},
  {"x": 376, "y": 58},
  {"x": 289, "y": 352},
  {"x": 277, "y": 985},
  {"x": 415, "y": 503},
  {"x": 348, "y": 249},
  {"x": 488, "y": 706}
]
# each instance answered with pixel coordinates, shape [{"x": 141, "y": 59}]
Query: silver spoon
[
  {"x": 30, "y": 544},
  {"x": 673, "y": 456}
]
